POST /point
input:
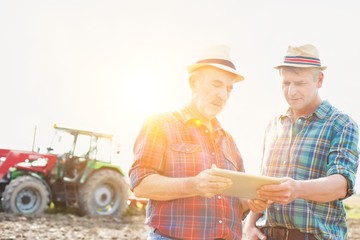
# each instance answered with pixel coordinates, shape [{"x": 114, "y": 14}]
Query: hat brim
[
  {"x": 238, "y": 77},
  {"x": 299, "y": 66}
]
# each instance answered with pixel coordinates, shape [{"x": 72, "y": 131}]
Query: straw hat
[
  {"x": 217, "y": 56},
  {"x": 304, "y": 56}
]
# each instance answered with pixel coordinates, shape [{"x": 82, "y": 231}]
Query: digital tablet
[{"x": 244, "y": 184}]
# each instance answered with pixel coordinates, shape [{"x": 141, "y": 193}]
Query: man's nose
[
  {"x": 223, "y": 94},
  {"x": 292, "y": 90}
]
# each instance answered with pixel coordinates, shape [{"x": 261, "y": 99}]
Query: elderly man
[
  {"x": 313, "y": 147},
  {"x": 174, "y": 153}
]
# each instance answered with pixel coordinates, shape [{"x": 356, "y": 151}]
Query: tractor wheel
[
  {"x": 105, "y": 193},
  {"x": 25, "y": 195}
]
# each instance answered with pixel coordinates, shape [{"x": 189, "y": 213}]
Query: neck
[
  {"x": 206, "y": 121},
  {"x": 309, "y": 109}
]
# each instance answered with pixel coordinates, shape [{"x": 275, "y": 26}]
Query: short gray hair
[{"x": 315, "y": 71}]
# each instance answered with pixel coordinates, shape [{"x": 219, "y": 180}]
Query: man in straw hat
[
  {"x": 313, "y": 147},
  {"x": 174, "y": 153}
]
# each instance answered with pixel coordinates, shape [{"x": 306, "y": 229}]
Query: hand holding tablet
[{"x": 244, "y": 185}]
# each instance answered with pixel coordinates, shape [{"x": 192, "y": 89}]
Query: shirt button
[
  {"x": 207, "y": 131},
  {"x": 284, "y": 162},
  {"x": 278, "y": 208},
  {"x": 187, "y": 149},
  {"x": 219, "y": 197},
  {"x": 213, "y": 153},
  {"x": 220, "y": 221}
]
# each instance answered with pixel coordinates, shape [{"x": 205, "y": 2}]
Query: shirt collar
[
  {"x": 320, "y": 112},
  {"x": 187, "y": 115}
]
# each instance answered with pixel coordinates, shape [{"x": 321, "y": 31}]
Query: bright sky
[{"x": 106, "y": 65}]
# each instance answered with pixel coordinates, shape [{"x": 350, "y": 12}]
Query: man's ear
[
  {"x": 193, "y": 80},
  {"x": 320, "y": 79}
]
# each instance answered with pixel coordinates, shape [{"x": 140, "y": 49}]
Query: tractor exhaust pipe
[{"x": 33, "y": 145}]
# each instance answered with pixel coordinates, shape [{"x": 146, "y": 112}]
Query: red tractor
[{"x": 76, "y": 172}]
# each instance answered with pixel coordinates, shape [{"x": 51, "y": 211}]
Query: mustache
[{"x": 218, "y": 101}]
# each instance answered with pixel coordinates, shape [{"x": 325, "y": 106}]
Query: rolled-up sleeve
[
  {"x": 149, "y": 151},
  {"x": 344, "y": 154}
]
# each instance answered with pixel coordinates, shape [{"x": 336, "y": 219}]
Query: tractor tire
[
  {"x": 25, "y": 195},
  {"x": 105, "y": 193}
]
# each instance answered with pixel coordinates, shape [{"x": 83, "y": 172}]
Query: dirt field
[
  {"x": 68, "y": 226},
  {"x": 354, "y": 229},
  {"x": 58, "y": 226}
]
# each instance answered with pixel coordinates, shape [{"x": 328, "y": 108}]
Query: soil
[
  {"x": 69, "y": 226},
  {"x": 354, "y": 229}
]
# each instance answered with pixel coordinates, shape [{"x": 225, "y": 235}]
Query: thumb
[
  {"x": 260, "y": 235},
  {"x": 210, "y": 170}
]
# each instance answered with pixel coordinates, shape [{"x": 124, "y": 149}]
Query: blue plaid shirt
[{"x": 319, "y": 145}]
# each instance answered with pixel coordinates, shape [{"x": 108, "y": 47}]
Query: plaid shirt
[
  {"x": 319, "y": 145},
  {"x": 179, "y": 145}
]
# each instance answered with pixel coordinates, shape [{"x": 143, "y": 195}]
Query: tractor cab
[{"x": 75, "y": 149}]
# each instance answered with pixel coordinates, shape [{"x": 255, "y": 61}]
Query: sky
[{"x": 106, "y": 65}]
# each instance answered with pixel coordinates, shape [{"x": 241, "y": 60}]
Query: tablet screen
[{"x": 244, "y": 184}]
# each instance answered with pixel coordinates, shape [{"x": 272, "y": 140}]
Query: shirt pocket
[
  {"x": 230, "y": 163},
  {"x": 184, "y": 159},
  {"x": 186, "y": 148},
  {"x": 311, "y": 160},
  {"x": 230, "y": 158}
]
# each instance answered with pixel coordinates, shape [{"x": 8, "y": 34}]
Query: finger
[
  {"x": 219, "y": 184},
  {"x": 274, "y": 195},
  {"x": 281, "y": 200},
  {"x": 269, "y": 194},
  {"x": 217, "y": 188},
  {"x": 270, "y": 197},
  {"x": 214, "y": 178},
  {"x": 209, "y": 194},
  {"x": 260, "y": 203},
  {"x": 273, "y": 187},
  {"x": 253, "y": 207},
  {"x": 257, "y": 208},
  {"x": 260, "y": 235}
]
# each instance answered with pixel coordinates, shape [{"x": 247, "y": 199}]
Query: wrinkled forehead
[
  {"x": 211, "y": 74},
  {"x": 297, "y": 70}
]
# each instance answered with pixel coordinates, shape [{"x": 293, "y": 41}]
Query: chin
[
  {"x": 212, "y": 114},
  {"x": 294, "y": 105}
]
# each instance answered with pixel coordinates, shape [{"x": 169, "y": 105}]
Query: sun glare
[{"x": 145, "y": 94}]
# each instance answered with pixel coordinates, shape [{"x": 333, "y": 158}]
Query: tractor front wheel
[
  {"x": 25, "y": 195},
  {"x": 104, "y": 193}
]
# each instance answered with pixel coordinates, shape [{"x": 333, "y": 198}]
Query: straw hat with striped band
[
  {"x": 304, "y": 56},
  {"x": 217, "y": 56}
]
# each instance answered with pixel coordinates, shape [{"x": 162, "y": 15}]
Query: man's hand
[
  {"x": 208, "y": 185},
  {"x": 250, "y": 229},
  {"x": 283, "y": 193},
  {"x": 252, "y": 232},
  {"x": 258, "y": 205},
  {"x": 325, "y": 189}
]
